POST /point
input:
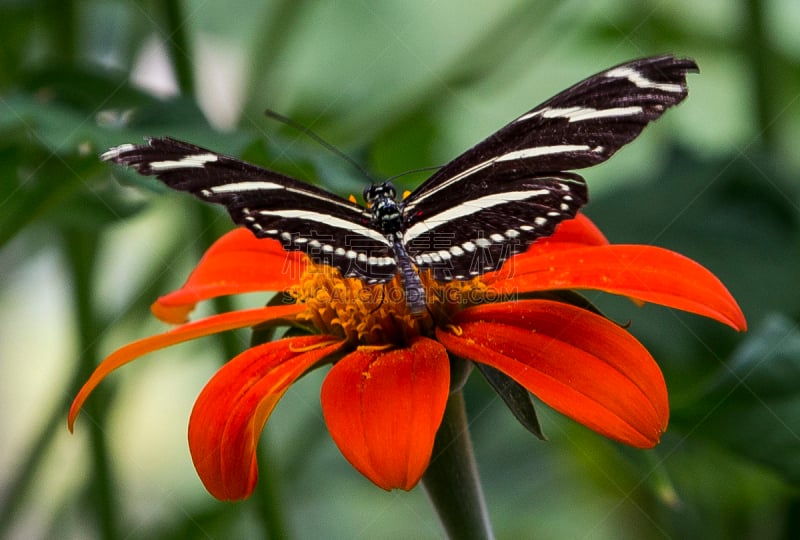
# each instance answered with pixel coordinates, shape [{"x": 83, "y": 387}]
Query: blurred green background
[{"x": 84, "y": 249}]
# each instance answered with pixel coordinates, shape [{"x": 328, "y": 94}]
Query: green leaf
[
  {"x": 753, "y": 405},
  {"x": 35, "y": 184},
  {"x": 516, "y": 398},
  {"x": 81, "y": 88},
  {"x": 17, "y": 25},
  {"x": 98, "y": 206}
]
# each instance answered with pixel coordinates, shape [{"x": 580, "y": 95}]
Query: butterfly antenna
[
  {"x": 269, "y": 113},
  {"x": 414, "y": 171}
]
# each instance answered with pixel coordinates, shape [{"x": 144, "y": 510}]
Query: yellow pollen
[
  {"x": 375, "y": 348},
  {"x": 377, "y": 315},
  {"x": 457, "y": 330},
  {"x": 352, "y": 199},
  {"x": 315, "y": 346}
]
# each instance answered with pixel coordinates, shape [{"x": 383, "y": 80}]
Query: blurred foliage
[{"x": 84, "y": 249}]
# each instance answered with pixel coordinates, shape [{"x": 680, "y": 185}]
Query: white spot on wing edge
[
  {"x": 580, "y": 114},
  {"x": 194, "y": 161},
  {"x": 627, "y": 72},
  {"x": 543, "y": 151},
  {"x": 113, "y": 153},
  {"x": 244, "y": 186}
]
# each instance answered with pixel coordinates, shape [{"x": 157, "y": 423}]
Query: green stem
[
  {"x": 21, "y": 480},
  {"x": 180, "y": 49},
  {"x": 81, "y": 249},
  {"x": 756, "y": 46},
  {"x": 452, "y": 481},
  {"x": 278, "y": 20},
  {"x": 268, "y": 491},
  {"x": 61, "y": 20}
]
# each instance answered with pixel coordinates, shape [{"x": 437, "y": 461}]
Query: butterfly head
[
  {"x": 386, "y": 214},
  {"x": 379, "y": 192}
]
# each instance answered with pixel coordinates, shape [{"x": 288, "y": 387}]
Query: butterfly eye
[
  {"x": 373, "y": 193},
  {"x": 369, "y": 193}
]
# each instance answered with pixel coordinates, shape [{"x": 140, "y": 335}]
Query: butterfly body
[{"x": 466, "y": 219}]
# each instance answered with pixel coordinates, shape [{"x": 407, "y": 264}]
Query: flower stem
[
  {"x": 81, "y": 250},
  {"x": 179, "y": 45},
  {"x": 452, "y": 482}
]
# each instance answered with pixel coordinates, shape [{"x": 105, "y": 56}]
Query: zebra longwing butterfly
[{"x": 487, "y": 204}]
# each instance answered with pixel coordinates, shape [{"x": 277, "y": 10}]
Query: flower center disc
[{"x": 378, "y": 314}]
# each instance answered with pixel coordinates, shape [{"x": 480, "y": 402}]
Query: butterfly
[{"x": 469, "y": 217}]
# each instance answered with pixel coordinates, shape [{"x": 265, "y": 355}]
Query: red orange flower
[{"x": 385, "y": 395}]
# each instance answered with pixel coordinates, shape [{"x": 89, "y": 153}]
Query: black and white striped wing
[
  {"x": 331, "y": 230},
  {"x": 476, "y": 235},
  {"x": 519, "y": 170}
]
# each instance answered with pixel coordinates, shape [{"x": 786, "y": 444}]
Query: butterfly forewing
[
  {"x": 581, "y": 126},
  {"x": 331, "y": 230}
]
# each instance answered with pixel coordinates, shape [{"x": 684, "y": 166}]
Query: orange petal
[
  {"x": 236, "y": 263},
  {"x": 579, "y": 230},
  {"x": 232, "y": 409},
  {"x": 647, "y": 273},
  {"x": 383, "y": 409},
  {"x": 186, "y": 332},
  {"x": 577, "y": 362}
]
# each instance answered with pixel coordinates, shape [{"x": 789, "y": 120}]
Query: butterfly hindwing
[
  {"x": 477, "y": 234},
  {"x": 331, "y": 230}
]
